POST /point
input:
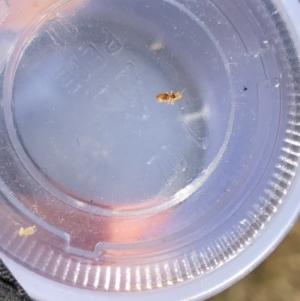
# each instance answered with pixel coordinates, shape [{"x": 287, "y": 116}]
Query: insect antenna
[{"x": 182, "y": 93}]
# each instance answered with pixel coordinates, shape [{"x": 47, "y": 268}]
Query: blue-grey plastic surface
[{"x": 193, "y": 195}]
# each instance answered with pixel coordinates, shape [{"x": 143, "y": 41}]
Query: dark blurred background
[{"x": 276, "y": 279}]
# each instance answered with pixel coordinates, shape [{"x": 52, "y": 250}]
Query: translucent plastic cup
[{"x": 107, "y": 192}]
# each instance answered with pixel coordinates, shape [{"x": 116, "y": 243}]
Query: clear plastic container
[{"x": 108, "y": 193}]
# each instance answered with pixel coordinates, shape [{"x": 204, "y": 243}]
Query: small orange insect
[{"x": 169, "y": 97}]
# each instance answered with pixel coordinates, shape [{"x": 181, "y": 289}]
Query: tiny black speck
[{"x": 245, "y": 88}]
